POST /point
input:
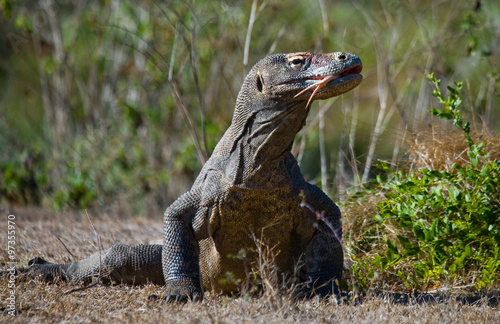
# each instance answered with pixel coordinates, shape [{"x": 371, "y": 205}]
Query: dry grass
[
  {"x": 440, "y": 149},
  {"x": 38, "y": 302}
]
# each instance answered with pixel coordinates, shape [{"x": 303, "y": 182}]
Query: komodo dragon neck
[{"x": 271, "y": 109}]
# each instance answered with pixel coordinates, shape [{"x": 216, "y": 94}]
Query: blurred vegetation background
[{"x": 116, "y": 104}]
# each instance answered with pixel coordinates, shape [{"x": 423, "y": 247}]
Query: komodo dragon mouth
[{"x": 325, "y": 79}]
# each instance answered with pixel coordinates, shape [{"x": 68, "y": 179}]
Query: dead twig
[
  {"x": 67, "y": 250},
  {"x": 99, "y": 246}
]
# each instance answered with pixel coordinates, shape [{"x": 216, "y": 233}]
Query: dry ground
[{"x": 38, "y": 233}]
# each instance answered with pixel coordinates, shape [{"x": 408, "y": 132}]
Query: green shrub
[
  {"x": 23, "y": 177},
  {"x": 436, "y": 227}
]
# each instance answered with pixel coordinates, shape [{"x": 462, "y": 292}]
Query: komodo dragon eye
[{"x": 296, "y": 62}]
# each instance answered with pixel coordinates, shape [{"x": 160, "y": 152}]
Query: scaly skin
[{"x": 251, "y": 187}]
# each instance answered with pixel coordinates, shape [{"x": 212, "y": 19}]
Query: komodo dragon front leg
[
  {"x": 323, "y": 255},
  {"x": 180, "y": 257}
]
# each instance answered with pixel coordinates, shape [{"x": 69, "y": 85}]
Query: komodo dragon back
[{"x": 249, "y": 192}]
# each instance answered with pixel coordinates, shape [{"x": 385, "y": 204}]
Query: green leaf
[
  {"x": 419, "y": 233},
  {"x": 406, "y": 244},
  {"x": 392, "y": 246},
  {"x": 429, "y": 236},
  {"x": 468, "y": 250}
]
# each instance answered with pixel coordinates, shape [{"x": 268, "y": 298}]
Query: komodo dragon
[{"x": 251, "y": 187}]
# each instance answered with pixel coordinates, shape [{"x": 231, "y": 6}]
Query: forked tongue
[{"x": 318, "y": 86}]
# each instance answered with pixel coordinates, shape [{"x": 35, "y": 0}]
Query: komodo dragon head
[
  {"x": 275, "y": 98},
  {"x": 291, "y": 75}
]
